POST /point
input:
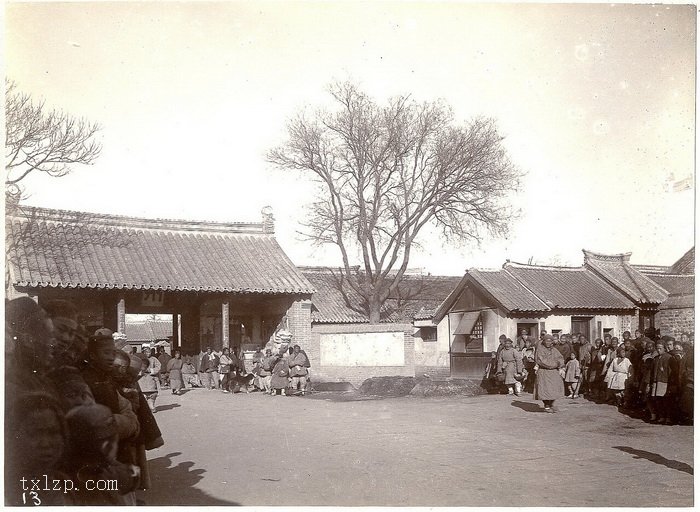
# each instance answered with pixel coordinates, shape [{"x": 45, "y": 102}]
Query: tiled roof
[
  {"x": 652, "y": 269},
  {"x": 680, "y": 288},
  {"x": 675, "y": 284},
  {"x": 679, "y": 302},
  {"x": 415, "y": 294},
  {"x": 64, "y": 249},
  {"x": 616, "y": 270},
  {"x": 686, "y": 263},
  {"x": 568, "y": 288},
  {"x": 507, "y": 290},
  {"x": 149, "y": 330}
]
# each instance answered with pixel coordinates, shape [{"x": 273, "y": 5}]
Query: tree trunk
[{"x": 375, "y": 307}]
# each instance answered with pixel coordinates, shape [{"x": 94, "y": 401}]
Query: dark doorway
[
  {"x": 531, "y": 329},
  {"x": 581, "y": 325}
]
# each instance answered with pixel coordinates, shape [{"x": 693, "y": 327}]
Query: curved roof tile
[{"x": 63, "y": 249}]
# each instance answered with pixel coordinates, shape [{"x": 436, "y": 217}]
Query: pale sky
[{"x": 597, "y": 104}]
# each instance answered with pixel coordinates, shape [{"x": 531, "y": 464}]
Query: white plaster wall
[
  {"x": 562, "y": 322},
  {"x": 362, "y": 349},
  {"x": 443, "y": 342},
  {"x": 495, "y": 324},
  {"x": 613, "y": 322}
]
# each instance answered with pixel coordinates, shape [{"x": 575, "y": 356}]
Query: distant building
[
  {"x": 676, "y": 314},
  {"x": 149, "y": 332},
  {"x": 231, "y": 283},
  {"x": 604, "y": 295},
  {"x": 346, "y": 347}
]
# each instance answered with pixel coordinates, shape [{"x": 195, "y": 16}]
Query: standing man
[
  {"x": 163, "y": 359},
  {"x": 298, "y": 369},
  {"x": 209, "y": 366},
  {"x": 98, "y": 373},
  {"x": 520, "y": 341},
  {"x": 584, "y": 358},
  {"x": 549, "y": 385},
  {"x": 564, "y": 347}
]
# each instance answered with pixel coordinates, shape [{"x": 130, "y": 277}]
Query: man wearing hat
[
  {"x": 549, "y": 384},
  {"x": 98, "y": 376}
]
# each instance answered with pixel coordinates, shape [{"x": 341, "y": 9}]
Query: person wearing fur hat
[
  {"x": 28, "y": 348},
  {"x": 98, "y": 376},
  {"x": 134, "y": 451},
  {"x": 549, "y": 384},
  {"x": 92, "y": 456}
]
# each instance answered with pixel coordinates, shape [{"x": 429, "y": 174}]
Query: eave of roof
[{"x": 66, "y": 249}]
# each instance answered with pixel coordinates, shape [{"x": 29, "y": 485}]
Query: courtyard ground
[{"x": 345, "y": 449}]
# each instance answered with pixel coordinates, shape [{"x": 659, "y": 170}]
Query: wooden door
[{"x": 581, "y": 325}]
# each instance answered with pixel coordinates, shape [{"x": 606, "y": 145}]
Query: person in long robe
[
  {"x": 621, "y": 369},
  {"x": 174, "y": 370},
  {"x": 659, "y": 385},
  {"x": 510, "y": 364},
  {"x": 298, "y": 369},
  {"x": 572, "y": 377},
  {"x": 549, "y": 384},
  {"x": 280, "y": 376}
]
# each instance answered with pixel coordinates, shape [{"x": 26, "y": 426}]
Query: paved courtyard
[{"x": 347, "y": 450}]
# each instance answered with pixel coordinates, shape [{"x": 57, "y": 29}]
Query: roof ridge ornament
[{"x": 623, "y": 257}]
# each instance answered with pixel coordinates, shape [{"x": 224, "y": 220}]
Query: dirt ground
[{"x": 344, "y": 449}]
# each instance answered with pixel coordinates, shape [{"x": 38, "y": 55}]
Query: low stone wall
[
  {"x": 410, "y": 386},
  {"x": 452, "y": 387}
]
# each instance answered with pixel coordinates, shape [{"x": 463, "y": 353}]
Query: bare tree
[
  {"x": 388, "y": 171},
  {"x": 37, "y": 140}
]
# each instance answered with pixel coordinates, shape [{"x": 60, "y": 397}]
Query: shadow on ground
[
  {"x": 657, "y": 459},
  {"x": 182, "y": 479},
  {"x": 167, "y": 407},
  {"x": 527, "y": 406}
]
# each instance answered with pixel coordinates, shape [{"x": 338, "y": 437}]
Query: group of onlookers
[
  {"x": 650, "y": 374},
  {"x": 280, "y": 372},
  {"x": 77, "y": 410}
]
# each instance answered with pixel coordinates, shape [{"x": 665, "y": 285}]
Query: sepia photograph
[{"x": 349, "y": 253}]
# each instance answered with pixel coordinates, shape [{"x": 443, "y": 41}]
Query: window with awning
[
  {"x": 469, "y": 334},
  {"x": 466, "y": 324}
]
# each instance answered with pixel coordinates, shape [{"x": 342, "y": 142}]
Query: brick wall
[
  {"x": 356, "y": 375},
  {"x": 672, "y": 322},
  {"x": 299, "y": 322}
]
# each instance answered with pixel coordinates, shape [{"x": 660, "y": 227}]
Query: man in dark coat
[
  {"x": 564, "y": 347},
  {"x": 98, "y": 376},
  {"x": 208, "y": 366}
]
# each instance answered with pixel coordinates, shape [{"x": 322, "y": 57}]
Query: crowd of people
[
  {"x": 284, "y": 371},
  {"x": 77, "y": 424},
  {"x": 647, "y": 374},
  {"x": 79, "y": 407}
]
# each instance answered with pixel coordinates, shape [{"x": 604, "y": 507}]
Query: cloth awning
[{"x": 466, "y": 324}]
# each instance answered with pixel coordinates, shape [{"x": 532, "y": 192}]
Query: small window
[
  {"x": 475, "y": 341},
  {"x": 428, "y": 333}
]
